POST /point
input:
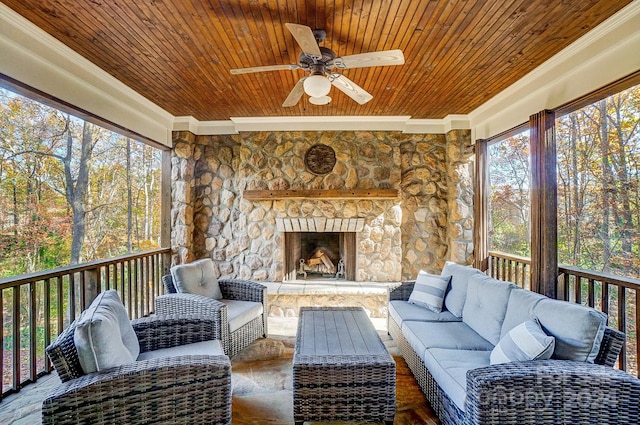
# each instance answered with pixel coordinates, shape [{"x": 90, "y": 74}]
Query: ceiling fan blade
[
  {"x": 264, "y": 68},
  {"x": 351, "y": 89},
  {"x": 382, "y": 58},
  {"x": 305, "y": 38},
  {"x": 295, "y": 95}
]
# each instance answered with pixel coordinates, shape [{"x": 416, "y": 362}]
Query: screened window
[
  {"x": 509, "y": 229},
  {"x": 598, "y": 150},
  {"x": 71, "y": 191}
]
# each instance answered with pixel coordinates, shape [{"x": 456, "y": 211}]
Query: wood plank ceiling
[{"x": 178, "y": 53}]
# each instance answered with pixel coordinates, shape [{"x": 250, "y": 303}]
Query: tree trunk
[
  {"x": 76, "y": 189},
  {"x": 129, "y": 218},
  {"x": 626, "y": 216},
  {"x": 606, "y": 185}
]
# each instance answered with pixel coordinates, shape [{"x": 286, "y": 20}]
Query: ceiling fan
[{"x": 321, "y": 62}]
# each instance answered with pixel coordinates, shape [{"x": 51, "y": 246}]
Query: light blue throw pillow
[
  {"x": 527, "y": 341},
  {"x": 429, "y": 291}
]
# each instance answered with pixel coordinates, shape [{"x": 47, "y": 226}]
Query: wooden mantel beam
[{"x": 265, "y": 195}]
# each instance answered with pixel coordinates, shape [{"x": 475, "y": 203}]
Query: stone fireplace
[{"x": 427, "y": 221}]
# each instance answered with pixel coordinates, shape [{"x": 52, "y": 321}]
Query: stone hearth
[{"x": 428, "y": 223}]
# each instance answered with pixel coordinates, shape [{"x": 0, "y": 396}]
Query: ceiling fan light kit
[
  {"x": 317, "y": 86},
  {"x": 322, "y": 100},
  {"x": 320, "y": 62}
]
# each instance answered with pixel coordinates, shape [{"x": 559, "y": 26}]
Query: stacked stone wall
[{"x": 210, "y": 217}]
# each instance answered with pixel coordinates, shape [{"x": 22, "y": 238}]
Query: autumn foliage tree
[{"x": 67, "y": 194}]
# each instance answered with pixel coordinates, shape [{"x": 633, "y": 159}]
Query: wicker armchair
[
  {"x": 232, "y": 289},
  {"x": 176, "y": 390}
]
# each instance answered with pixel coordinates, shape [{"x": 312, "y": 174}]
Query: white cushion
[
  {"x": 527, "y": 341},
  {"x": 197, "y": 278},
  {"x": 103, "y": 336},
  {"x": 429, "y": 291},
  {"x": 205, "y": 348}
]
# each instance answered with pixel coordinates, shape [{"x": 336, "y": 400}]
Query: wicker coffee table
[{"x": 341, "y": 369}]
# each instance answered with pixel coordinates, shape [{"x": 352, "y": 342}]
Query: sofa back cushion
[
  {"x": 457, "y": 294},
  {"x": 486, "y": 305},
  {"x": 578, "y": 329},
  {"x": 104, "y": 336},
  {"x": 197, "y": 278},
  {"x": 519, "y": 308}
]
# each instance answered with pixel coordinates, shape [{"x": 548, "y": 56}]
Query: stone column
[
  {"x": 460, "y": 196},
  {"x": 424, "y": 203},
  {"x": 182, "y": 184}
]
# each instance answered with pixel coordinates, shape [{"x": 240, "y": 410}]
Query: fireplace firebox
[{"x": 320, "y": 255}]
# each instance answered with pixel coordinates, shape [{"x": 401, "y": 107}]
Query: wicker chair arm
[
  {"x": 551, "y": 392},
  {"x": 402, "y": 291},
  {"x": 245, "y": 290},
  {"x": 171, "y": 389},
  {"x": 156, "y": 332}
]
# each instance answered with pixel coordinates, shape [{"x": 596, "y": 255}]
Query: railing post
[
  {"x": 91, "y": 283},
  {"x": 481, "y": 207},
  {"x": 544, "y": 247}
]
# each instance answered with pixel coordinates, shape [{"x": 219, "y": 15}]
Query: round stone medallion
[{"x": 320, "y": 159}]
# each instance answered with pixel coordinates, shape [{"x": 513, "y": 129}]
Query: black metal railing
[
  {"x": 618, "y": 297},
  {"x": 35, "y": 308}
]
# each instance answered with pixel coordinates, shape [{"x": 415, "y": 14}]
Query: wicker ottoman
[{"x": 341, "y": 369}]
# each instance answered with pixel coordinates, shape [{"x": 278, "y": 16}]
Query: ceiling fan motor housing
[{"x": 308, "y": 62}]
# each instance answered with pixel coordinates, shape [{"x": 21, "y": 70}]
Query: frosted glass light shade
[
  {"x": 317, "y": 86},
  {"x": 324, "y": 100}
]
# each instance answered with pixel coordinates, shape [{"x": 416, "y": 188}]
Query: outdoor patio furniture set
[
  {"x": 469, "y": 339},
  {"x": 466, "y": 337}
]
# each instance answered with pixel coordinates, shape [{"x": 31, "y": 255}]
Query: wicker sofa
[{"x": 450, "y": 354}]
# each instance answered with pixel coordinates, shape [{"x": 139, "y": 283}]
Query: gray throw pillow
[
  {"x": 197, "y": 278},
  {"x": 429, "y": 291},
  {"x": 103, "y": 336}
]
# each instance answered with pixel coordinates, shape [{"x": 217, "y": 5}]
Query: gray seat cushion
[
  {"x": 205, "y": 348},
  {"x": 403, "y": 310},
  {"x": 520, "y": 308},
  {"x": 578, "y": 329},
  {"x": 454, "y": 335},
  {"x": 239, "y": 313},
  {"x": 457, "y": 294},
  {"x": 486, "y": 306},
  {"x": 449, "y": 369}
]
